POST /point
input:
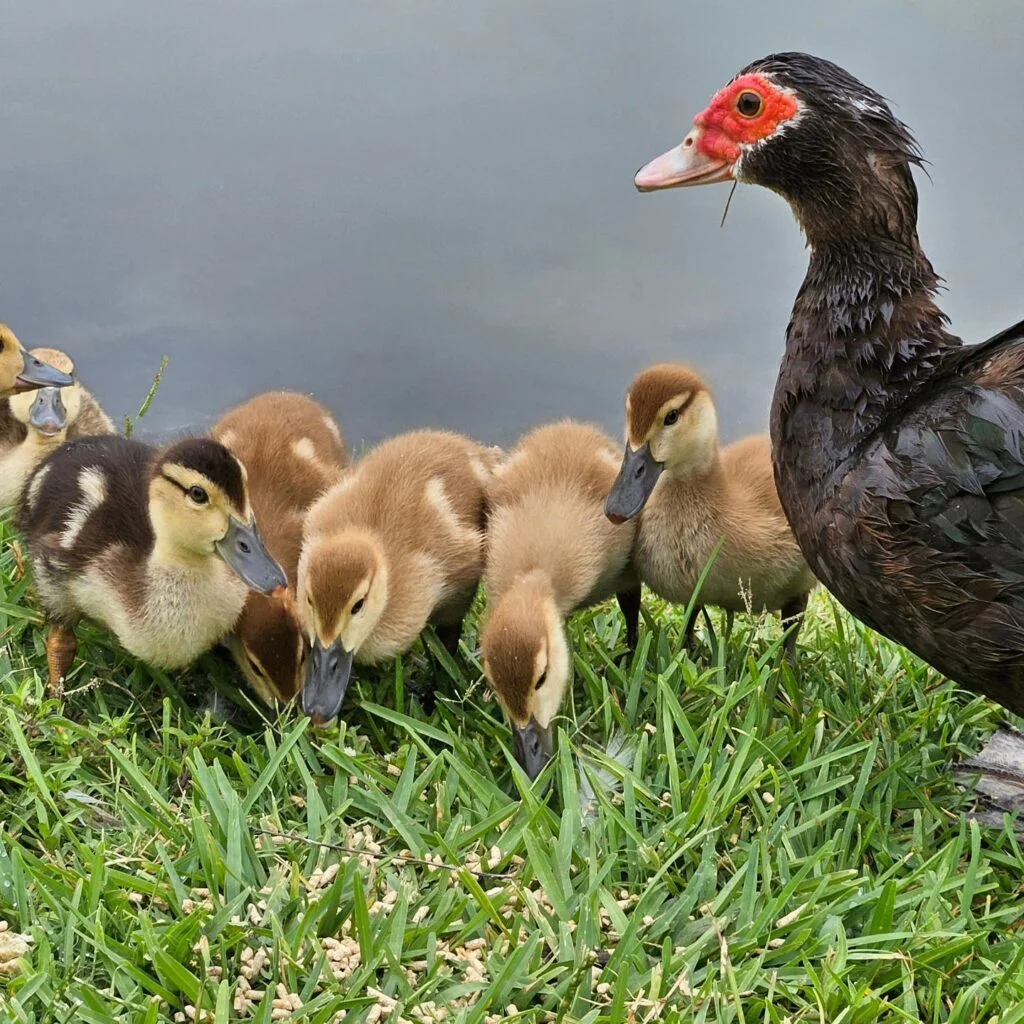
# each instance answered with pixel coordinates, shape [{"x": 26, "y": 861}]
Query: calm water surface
[{"x": 424, "y": 212}]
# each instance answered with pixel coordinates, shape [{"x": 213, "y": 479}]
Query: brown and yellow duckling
[
  {"x": 157, "y": 545},
  {"x": 550, "y": 551},
  {"x": 293, "y": 451},
  {"x": 694, "y": 495},
  {"x": 34, "y": 423},
  {"x": 396, "y": 545},
  {"x": 20, "y": 371}
]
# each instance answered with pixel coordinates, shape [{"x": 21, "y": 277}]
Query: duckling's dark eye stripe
[
  {"x": 687, "y": 403},
  {"x": 170, "y": 479}
]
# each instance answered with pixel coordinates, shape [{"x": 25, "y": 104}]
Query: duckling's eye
[
  {"x": 253, "y": 664},
  {"x": 749, "y": 104},
  {"x": 198, "y": 495},
  {"x": 358, "y": 606},
  {"x": 671, "y": 417},
  {"x": 540, "y": 682}
]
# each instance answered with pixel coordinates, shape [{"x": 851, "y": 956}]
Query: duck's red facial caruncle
[{"x": 749, "y": 110}]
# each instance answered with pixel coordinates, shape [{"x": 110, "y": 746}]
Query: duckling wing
[
  {"x": 86, "y": 496},
  {"x": 926, "y": 541}
]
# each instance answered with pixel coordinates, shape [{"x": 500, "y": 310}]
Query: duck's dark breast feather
[
  {"x": 121, "y": 518},
  {"x": 924, "y": 538}
]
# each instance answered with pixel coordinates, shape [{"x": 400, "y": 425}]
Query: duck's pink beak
[{"x": 687, "y": 164}]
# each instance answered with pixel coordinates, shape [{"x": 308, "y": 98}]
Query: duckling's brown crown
[
  {"x": 270, "y": 631},
  {"x": 511, "y": 641},
  {"x": 213, "y": 461},
  {"x": 335, "y": 571},
  {"x": 652, "y": 389}
]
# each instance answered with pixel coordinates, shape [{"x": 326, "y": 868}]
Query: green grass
[{"x": 773, "y": 848}]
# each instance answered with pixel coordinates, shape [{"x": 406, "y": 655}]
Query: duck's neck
[{"x": 865, "y": 333}]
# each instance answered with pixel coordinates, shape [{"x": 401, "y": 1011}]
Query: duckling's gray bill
[
  {"x": 37, "y": 374},
  {"x": 327, "y": 674},
  {"x": 48, "y": 415},
  {"x": 243, "y": 549},
  {"x": 534, "y": 747},
  {"x": 633, "y": 485}
]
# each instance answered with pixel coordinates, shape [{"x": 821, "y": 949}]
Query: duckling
[
  {"x": 293, "y": 451},
  {"x": 20, "y": 371},
  {"x": 550, "y": 552},
  {"x": 694, "y": 495},
  {"x": 34, "y": 423},
  {"x": 158, "y": 545},
  {"x": 397, "y": 544}
]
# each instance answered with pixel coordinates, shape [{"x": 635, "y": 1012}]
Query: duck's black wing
[
  {"x": 86, "y": 496},
  {"x": 931, "y": 521}
]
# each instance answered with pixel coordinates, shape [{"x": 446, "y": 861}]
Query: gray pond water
[{"x": 424, "y": 212}]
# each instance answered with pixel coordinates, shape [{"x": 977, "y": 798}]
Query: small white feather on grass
[{"x": 620, "y": 748}]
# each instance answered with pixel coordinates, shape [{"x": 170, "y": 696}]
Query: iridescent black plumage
[{"x": 899, "y": 453}]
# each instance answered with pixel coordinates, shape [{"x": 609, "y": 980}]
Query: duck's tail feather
[{"x": 998, "y": 772}]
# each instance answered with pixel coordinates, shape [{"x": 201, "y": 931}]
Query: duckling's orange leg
[
  {"x": 61, "y": 646},
  {"x": 793, "y": 609},
  {"x": 629, "y": 604}
]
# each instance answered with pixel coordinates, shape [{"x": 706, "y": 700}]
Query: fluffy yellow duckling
[
  {"x": 693, "y": 495},
  {"x": 158, "y": 545},
  {"x": 34, "y": 423},
  {"x": 550, "y": 552},
  {"x": 397, "y": 544},
  {"x": 20, "y": 371}
]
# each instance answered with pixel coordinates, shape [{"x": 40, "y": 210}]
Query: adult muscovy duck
[{"x": 898, "y": 451}]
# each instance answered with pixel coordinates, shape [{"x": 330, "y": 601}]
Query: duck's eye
[
  {"x": 253, "y": 664},
  {"x": 198, "y": 495},
  {"x": 671, "y": 417},
  {"x": 358, "y": 606},
  {"x": 540, "y": 681},
  {"x": 749, "y": 104}
]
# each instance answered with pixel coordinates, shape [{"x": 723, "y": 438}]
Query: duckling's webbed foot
[
  {"x": 629, "y": 604},
  {"x": 792, "y": 609},
  {"x": 61, "y": 647},
  {"x": 999, "y": 774}
]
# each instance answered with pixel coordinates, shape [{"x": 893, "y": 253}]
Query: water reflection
[{"x": 424, "y": 213}]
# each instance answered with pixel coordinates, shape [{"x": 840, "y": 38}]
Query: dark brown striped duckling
[{"x": 157, "y": 545}]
